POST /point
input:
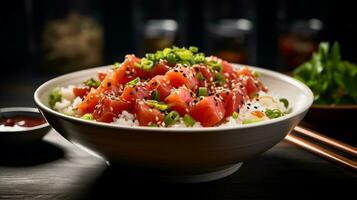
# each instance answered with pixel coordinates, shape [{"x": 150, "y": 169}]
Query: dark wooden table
[{"x": 56, "y": 169}]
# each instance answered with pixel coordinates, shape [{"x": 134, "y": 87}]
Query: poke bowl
[{"x": 179, "y": 154}]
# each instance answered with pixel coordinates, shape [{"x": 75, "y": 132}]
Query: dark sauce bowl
[{"x": 10, "y": 136}]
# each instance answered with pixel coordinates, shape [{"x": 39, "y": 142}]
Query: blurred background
[{"x": 43, "y": 39}]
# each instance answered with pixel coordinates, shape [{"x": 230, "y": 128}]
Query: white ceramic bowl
[{"x": 178, "y": 154}]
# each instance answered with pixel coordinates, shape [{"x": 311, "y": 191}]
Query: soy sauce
[{"x": 22, "y": 121}]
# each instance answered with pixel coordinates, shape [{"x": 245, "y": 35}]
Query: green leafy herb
[
  {"x": 332, "y": 80},
  {"x": 55, "y": 97}
]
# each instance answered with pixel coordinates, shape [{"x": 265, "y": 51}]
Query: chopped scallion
[
  {"x": 157, "y": 105},
  {"x": 92, "y": 83},
  {"x": 171, "y": 118},
  {"x": 249, "y": 121},
  {"x": 235, "y": 115},
  {"x": 285, "y": 102},
  {"x": 275, "y": 113},
  {"x": 146, "y": 64},
  {"x": 202, "y": 91},
  {"x": 133, "y": 82},
  {"x": 200, "y": 77},
  {"x": 188, "y": 120},
  {"x": 193, "y": 49},
  {"x": 87, "y": 116},
  {"x": 55, "y": 97},
  {"x": 155, "y": 95}
]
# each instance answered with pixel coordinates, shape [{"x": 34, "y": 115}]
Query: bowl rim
[
  {"x": 283, "y": 77},
  {"x": 23, "y": 109}
]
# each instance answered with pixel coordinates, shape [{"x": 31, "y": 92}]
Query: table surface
[{"x": 56, "y": 169}]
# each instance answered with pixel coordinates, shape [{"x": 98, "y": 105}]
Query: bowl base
[{"x": 196, "y": 178}]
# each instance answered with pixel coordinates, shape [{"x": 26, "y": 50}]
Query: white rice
[{"x": 265, "y": 101}]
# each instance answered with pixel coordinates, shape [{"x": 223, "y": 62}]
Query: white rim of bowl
[
  {"x": 271, "y": 73},
  {"x": 24, "y": 109}
]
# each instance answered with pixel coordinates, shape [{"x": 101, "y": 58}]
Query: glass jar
[
  {"x": 230, "y": 39},
  {"x": 159, "y": 34}
]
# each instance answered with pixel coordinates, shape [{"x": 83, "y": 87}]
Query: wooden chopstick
[
  {"x": 327, "y": 140},
  {"x": 320, "y": 151}
]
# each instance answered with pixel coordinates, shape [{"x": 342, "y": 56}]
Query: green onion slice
[
  {"x": 272, "y": 114},
  {"x": 188, "y": 120},
  {"x": 171, "y": 118},
  {"x": 285, "y": 102},
  {"x": 55, "y": 97},
  {"x": 235, "y": 115},
  {"x": 200, "y": 77},
  {"x": 133, "y": 82},
  {"x": 87, "y": 116},
  {"x": 155, "y": 95},
  {"x": 193, "y": 49},
  {"x": 202, "y": 91},
  {"x": 249, "y": 121},
  {"x": 157, "y": 105},
  {"x": 92, "y": 83}
]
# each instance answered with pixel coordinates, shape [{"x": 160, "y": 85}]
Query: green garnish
[
  {"x": 133, "y": 82},
  {"x": 332, "y": 80},
  {"x": 193, "y": 49},
  {"x": 215, "y": 65},
  {"x": 235, "y": 115},
  {"x": 220, "y": 78},
  {"x": 188, "y": 120},
  {"x": 171, "y": 118},
  {"x": 153, "y": 125},
  {"x": 116, "y": 65},
  {"x": 150, "y": 56},
  {"x": 249, "y": 121},
  {"x": 155, "y": 95},
  {"x": 157, "y": 105},
  {"x": 202, "y": 91},
  {"x": 255, "y": 74},
  {"x": 176, "y": 55},
  {"x": 171, "y": 58},
  {"x": 199, "y": 58},
  {"x": 272, "y": 114},
  {"x": 146, "y": 64},
  {"x": 87, "y": 116},
  {"x": 200, "y": 77},
  {"x": 285, "y": 102},
  {"x": 55, "y": 97},
  {"x": 92, "y": 83}
]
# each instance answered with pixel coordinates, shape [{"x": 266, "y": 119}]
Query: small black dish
[{"x": 22, "y": 135}]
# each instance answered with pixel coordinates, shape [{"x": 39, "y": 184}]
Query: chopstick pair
[{"x": 324, "y": 146}]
